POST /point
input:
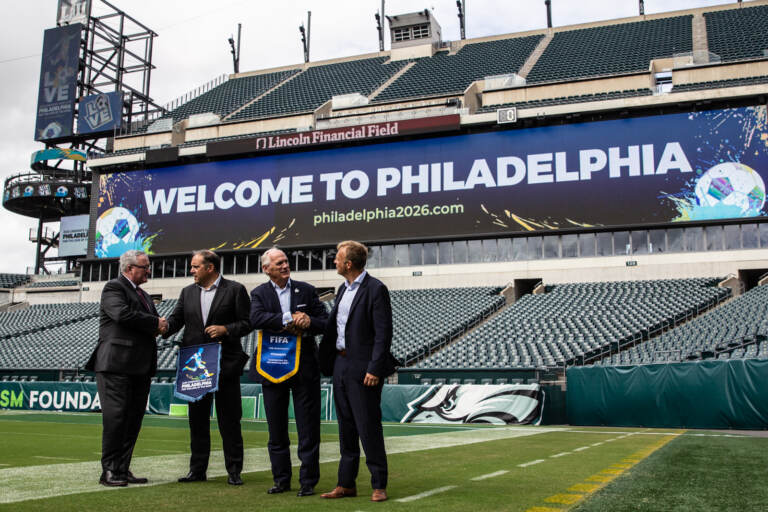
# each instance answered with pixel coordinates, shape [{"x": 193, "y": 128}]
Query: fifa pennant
[
  {"x": 277, "y": 355},
  {"x": 197, "y": 371}
]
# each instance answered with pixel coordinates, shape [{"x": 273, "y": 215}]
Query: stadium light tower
[
  {"x": 548, "y": 3},
  {"x": 380, "y": 26},
  {"x": 236, "y": 50},
  {"x": 461, "y": 6},
  {"x": 642, "y": 7},
  {"x": 305, "y": 34}
]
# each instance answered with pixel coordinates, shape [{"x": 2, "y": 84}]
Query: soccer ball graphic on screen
[
  {"x": 114, "y": 226},
  {"x": 732, "y": 184}
]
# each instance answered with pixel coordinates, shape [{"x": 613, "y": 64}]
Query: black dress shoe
[
  {"x": 131, "y": 479},
  {"x": 306, "y": 490},
  {"x": 112, "y": 479},
  {"x": 234, "y": 479},
  {"x": 277, "y": 489},
  {"x": 193, "y": 477}
]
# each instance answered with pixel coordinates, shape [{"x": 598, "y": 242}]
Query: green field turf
[{"x": 50, "y": 462}]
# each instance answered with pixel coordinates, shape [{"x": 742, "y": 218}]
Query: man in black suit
[
  {"x": 356, "y": 351},
  {"x": 286, "y": 305},
  {"x": 214, "y": 309},
  {"x": 124, "y": 361}
]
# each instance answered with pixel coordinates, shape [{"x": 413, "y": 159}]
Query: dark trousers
[
  {"x": 306, "y": 410},
  {"x": 358, "y": 410},
  {"x": 229, "y": 411},
  {"x": 123, "y": 401}
]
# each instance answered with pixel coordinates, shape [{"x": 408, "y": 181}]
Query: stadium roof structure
[{"x": 669, "y": 60}]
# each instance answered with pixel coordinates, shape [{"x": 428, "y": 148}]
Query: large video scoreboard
[{"x": 655, "y": 170}]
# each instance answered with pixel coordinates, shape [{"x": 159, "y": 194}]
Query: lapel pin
[{"x": 295, "y": 290}]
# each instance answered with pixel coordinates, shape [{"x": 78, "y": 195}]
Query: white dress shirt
[
  {"x": 342, "y": 313},
  {"x": 206, "y": 298}
]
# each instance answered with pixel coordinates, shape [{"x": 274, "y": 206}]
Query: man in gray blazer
[
  {"x": 124, "y": 361},
  {"x": 214, "y": 309}
]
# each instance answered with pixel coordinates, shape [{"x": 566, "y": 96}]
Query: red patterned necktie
[{"x": 143, "y": 300}]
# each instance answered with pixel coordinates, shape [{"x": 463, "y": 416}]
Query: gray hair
[
  {"x": 129, "y": 258},
  {"x": 266, "y": 258}
]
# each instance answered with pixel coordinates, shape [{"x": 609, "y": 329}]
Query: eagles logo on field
[{"x": 498, "y": 404}]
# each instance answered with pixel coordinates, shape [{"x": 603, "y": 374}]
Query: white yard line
[
  {"x": 563, "y": 454},
  {"x": 490, "y": 475},
  {"x": 52, "y": 458},
  {"x": 44, "y": 481},
  {"x": 425, "y": 494},
  {"x": 581, "y": 449},
  {"x": 526, "y": 464}
]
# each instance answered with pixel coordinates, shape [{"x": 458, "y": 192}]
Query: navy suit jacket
[
  {"x": 266, "y": 313},
  {"x": 229, "y": 308},
  {"x": 368, "y": 333},
  {"x": 127, "y": 332}
]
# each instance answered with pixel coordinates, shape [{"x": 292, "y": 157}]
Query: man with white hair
[
  {"x": 125, "y": 360},
  {"x": 291, "y": 312}
]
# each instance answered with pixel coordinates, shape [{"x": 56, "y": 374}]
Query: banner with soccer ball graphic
[{"x": 621, "y": 173}]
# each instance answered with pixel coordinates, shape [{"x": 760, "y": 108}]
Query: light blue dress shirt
[
  {"x": 284, "y": 296},
  {"x": 342, "y": 313}
]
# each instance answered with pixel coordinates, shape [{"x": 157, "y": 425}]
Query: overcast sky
[{"x": 192, "y": 49}]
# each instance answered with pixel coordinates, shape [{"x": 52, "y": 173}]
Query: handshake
[
  {"x": 299, "y": 324},
  {"x": 162, "y": 325}
]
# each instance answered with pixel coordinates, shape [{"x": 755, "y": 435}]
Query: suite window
[
  {"x": 551, "y": 247},
  {"x": 401, "y": 255},
  {"x": 570, "y": 245},
  {"x": 714, "y": 238},
  {"x": 402, "y": 34},
  {"x": 604, "y": 244},
  {"x": 749, "y": 236},
  {"x": 430, "y": 253},
  {"x": 387, "y": 255},
  {"x": 420, "y": 31},
  {"x": 460, "y": 252},
  {"x": 621, "y": 245},
  {"x": 505, "y": 249},
  {"x": 519, "y": 248},
  {"x": 694, "y": 239},
  {"x": 587, "y": 245},
  {"x": 675, "y": 240},
  {"x": 658, "y": 240},
  {"x": 445, "y": 252},
  {"x": 373, "y": 258},
  {"x": 732, "y": 237},
  {"x": 534, "y": 247},
  {"x": 302, "y": 260},
  {"x": 254, "y": 263},
  {"x": 414, "y": 253},
  {"x": 476, "y": 251},
  {"x": 639, "y": 242}
]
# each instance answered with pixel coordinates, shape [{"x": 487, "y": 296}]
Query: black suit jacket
[
  {"x": 368, "y": 333},
  {"x": 266, "y": 313},
  {"x": 230, "y": 308},
  {"x": 127, "y": 332}
]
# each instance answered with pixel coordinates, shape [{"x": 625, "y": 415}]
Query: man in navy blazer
[
  {"x": 286, "y": 305},
  {"x": 214, "y": 309},
  {"x": 356, "y": 351},
  {"x": 124, "y": 361}
]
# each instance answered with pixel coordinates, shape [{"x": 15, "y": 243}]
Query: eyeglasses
[{"x": 145, "y": 267}]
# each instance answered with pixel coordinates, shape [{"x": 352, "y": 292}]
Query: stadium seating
[
  {"x": 53, "y": 284},
  {"x": 575, "y": 320},
  {"x": 611, "y": 49},
  {"x": 319, "y": 84},
  {"x": 715, "y": 84},
  {"x": 570, "y": 99},
  {"x": 743, "y": 318},
  {"x": 736, "y": 34},
  {"x": 451, "y": 74},
  {"x": 12, "y": 280},
  {"x": 40, "y": 317},
  {"x": 230, "y": 95}
]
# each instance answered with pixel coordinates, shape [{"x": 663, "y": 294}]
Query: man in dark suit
[
  {"x": 214, "y": 309},
  {"x": 124, "y": 361},
  {"x": 286, "y": 305},
  {"x": 356, "y": 351}
]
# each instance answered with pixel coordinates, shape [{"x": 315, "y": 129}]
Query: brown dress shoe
[
  {"x": 340, "y": 492},
  {"x": 379, "y": 495}
]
